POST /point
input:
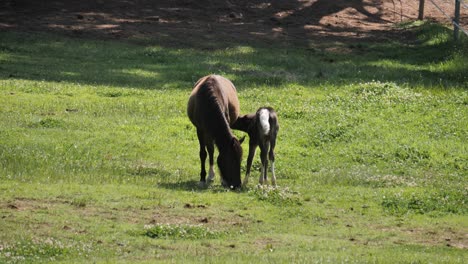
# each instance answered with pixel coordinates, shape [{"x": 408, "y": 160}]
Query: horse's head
[{"x": 229, "y": 163}]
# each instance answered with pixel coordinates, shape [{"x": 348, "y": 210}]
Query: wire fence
[
  {"x": 464, "y": 4},
  {"x": 454, "y": 21}
]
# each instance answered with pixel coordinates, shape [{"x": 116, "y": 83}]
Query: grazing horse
[
  {"x": 262, "y": 128},
  {"x": 212, "y": 107}
]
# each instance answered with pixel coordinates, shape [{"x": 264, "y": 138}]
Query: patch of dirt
[
  {"x": 441, "y": 236},
  {"x": 197, "y": 215},
  {"x": 187, "y": 214},
  {"x": 266, "y": 243},
  {"x": 216, "y": 24},
  {"x": 22, "y": 204}
]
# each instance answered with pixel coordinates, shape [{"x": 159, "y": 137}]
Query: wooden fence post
[
  {"x": 456, "y": 20},
  {"x": 421, "y": 10}
]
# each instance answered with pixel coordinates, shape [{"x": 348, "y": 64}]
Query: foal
[{"x": 262, "y": 128}]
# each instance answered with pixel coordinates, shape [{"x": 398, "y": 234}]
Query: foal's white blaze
[{"x": 264, "y": 117}]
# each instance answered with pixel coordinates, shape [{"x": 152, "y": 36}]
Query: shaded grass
[
  {"x": 433, "y": 62},
  {"x": 95, "y": 145}
]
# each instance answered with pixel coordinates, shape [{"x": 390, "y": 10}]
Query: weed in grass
[
  {"x": 385, "y": 93},
  {"x": 279, "y": 196},
  {"x": 390, "y": 181},
  {"x": 435, "y": 203},
  {"x": 412, "y": 154},
  {"x": 174, "y": 231},
  {"x": 80, "y": 201},
  {"x": 48, "y": 123},
  {"x": 47, "y": 250},
  {"x": 331, "y": 134},
  {"x": 144, "y": 169}
]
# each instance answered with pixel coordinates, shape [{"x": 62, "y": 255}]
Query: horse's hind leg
[
  {"x": 211, "y": 173},
  {"x": 201, "y": 140}
]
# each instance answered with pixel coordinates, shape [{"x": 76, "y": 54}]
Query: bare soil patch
[{"x": 217, "y": 24}]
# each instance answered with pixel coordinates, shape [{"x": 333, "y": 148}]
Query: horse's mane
[{"x": 215, "y": 121}]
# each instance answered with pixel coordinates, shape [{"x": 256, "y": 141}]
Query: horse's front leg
[
  {"x": 211, "y": 173},
  {"x": 201, "y": 140}
]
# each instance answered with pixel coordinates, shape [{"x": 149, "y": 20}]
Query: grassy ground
[{"x": 99, "y": 161}]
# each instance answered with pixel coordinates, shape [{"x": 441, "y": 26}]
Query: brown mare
[
  {"x": 262, "y": 128},
  {"x": 212, "y": 107}
]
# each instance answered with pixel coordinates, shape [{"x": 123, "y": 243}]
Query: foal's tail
[{"x": 264, "y": 116}]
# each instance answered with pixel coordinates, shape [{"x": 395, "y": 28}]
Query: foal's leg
[
  {"x": 252, "y": 148},
  {"x": 271, "y": 156},
  {"x": 211, "y": 173},
  {"x": 201, "y": 140},
  {"x": 263, "y": 157}
]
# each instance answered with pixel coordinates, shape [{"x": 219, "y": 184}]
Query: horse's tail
[{"x": 263, "y": 117}]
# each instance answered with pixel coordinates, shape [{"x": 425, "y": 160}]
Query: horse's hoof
[
  {"x": 224, "y": 183},
  {"x": 202, "y": 184}
]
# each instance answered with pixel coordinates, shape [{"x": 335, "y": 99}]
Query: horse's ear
[
  {"x": 241, "y": 140},
  {"x": 235, "y": 142},
  {"x": 236, "y": 145}
]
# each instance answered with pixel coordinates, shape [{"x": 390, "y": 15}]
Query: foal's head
[
  {"x": 245, "y": 123},
  {"x": 229, "y": 163}
]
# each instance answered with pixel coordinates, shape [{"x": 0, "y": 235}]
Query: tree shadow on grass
[
  {"x": 200, "y": 24},
  {"x": 191, "y": 34},
  {"x": 193, "y": 186},
  {"x": 108, "y": 63},
  {"x": 188, "y": 185}
]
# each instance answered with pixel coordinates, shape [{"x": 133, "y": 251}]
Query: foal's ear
[{"x": 241, "y": 140}]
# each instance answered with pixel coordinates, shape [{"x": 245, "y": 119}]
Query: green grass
[{"x": 99, "y": 162}]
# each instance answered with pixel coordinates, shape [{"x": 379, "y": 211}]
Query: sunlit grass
[{"x": 95, "y": 145}]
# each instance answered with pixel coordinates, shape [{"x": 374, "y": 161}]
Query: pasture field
[{"x": 99, "y": 162}]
